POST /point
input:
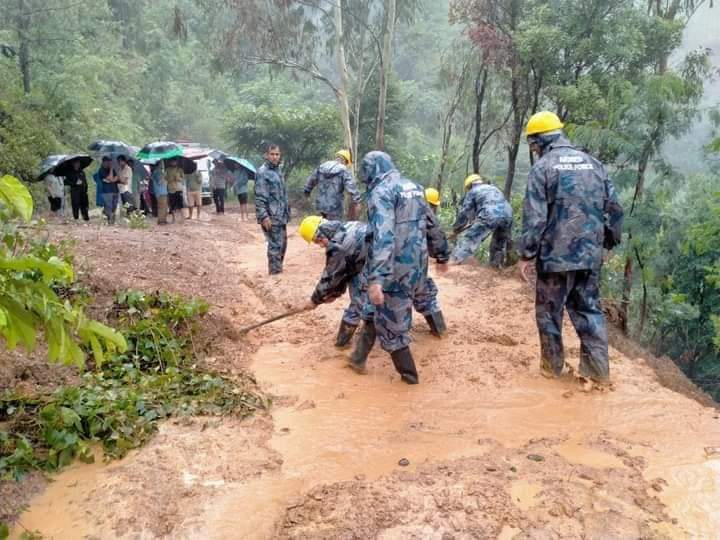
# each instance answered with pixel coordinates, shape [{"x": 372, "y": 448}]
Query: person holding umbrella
[
  {"x": 53, "y": 184},
  {"x": 240, "y": 186},
  {"x": 76, "y": 179},
  {"x": 174, "y": 178},
  {"x": 160, "y": 189},
  {"x": 110, "y": 190},
  {"x": 219, "y": 179},
  {"x": 125, "y": 181},
  {"x": 55, "y": 191}
]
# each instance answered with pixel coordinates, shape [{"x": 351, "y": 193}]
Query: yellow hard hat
[
  {"x": 432, "y": 196},
  {"x": 345, "y": 154},
  {"x": 470, "y": 180},
  {"x": 309, "y": 227},
  {"x": 542, "y": 122}
]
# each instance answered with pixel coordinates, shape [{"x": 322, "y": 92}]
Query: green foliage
[
  {"x": 677, "y": 240},
  {"x": 137, "y": 220},
  {"x": 121, "y": 403},
  {"x": 30, "y": 275},
  {"x": 22, "y": 145},
  {"x": 306, "y": 134}
]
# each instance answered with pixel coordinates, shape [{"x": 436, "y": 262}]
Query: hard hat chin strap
[{"x": 544, "y": 140}]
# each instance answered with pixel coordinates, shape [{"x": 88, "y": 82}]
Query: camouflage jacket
[
  {"x": 332, "y": 179},
  {"x": 570, "y": 211},
  {"x": 485, "y": 202},
  {"x": 271, "y": 198},
  {"x": 397, "y": 213},
  {"x": 345, "y": 258}
]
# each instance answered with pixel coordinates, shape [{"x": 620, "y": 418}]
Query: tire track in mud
[{"x": 325, "y": 463}]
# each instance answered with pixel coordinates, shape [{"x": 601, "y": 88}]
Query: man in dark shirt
[
  {"x": 111, "y": 193},
  {"x": 78, "y": 191}
]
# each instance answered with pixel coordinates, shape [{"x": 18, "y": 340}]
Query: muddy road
[{"x": 489, "y": 448}]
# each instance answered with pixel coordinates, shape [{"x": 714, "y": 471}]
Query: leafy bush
[
  {"x": 31, "y": 273},
  {"x": 120, "y": 404}
]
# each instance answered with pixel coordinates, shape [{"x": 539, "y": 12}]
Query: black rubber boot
[
  {"x": 405, "y": 365},
  {"x": 436, "y": 322},
  {"x": 363, "y": 346},
  {"x": 345, "y": 334}
]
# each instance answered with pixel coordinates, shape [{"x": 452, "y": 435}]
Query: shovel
[{"x": 290, "y": 313}]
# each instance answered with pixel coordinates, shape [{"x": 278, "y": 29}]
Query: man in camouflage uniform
[
  {"x": 484, "y": 210},
  {"x": 272, "y": 207},
  {"x": 396, "y": 268},
  {"x": 425, "y": 301},
  {"x": 333, "y": 179},
  {"x": 570, "y": 213},
  {"x": 346, "y": 249}
]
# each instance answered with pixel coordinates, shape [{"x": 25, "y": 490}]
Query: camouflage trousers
[
  {"x": 425, "y": 301},
  {"x": 579, "y": 292},
  {"x": 358, "y": 297},
  {"x": 471, "y": 239},
  {"x": 276, "y": 247},
  {"x": 393, "y": 320}
]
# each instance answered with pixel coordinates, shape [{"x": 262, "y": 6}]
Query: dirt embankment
[{"x": 483, "y": 447}]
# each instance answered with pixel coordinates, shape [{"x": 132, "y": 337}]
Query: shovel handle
[{"x": 290, "y": 313}]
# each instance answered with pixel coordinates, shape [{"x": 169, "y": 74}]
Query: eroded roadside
[{"x": 493, "y": 449}]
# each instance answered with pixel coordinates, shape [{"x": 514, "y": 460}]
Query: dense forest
[{"x": 444, "y": 87}]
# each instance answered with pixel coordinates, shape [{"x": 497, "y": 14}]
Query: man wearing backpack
[{"x": 333, "y": 179}]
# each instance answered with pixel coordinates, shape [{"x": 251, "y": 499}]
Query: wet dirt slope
[{"x": 483, "y": 447}]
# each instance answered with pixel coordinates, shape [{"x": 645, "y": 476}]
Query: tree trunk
[
  {"x": 23, "y": 27},
  {"x": 628, "y": 274},
  {"x": 516, "y": 135},
  {"x": 448, "y": 122},
  {"x": 447, "y": 135},
  {"x": 513, "y": 148},
  {"x": 480, "y": 86},
  {"x": 389, "y": 32},
  {"x": 342, "y": 93},
  {"x": 359, "y": 93}
]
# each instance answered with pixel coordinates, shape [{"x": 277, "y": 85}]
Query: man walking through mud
[
  {"x": 570, "y": 213},
  {"x": 396, "y": 269},
  {"x": 333, "y": 179},
  {"x": 272, "y": 207}
]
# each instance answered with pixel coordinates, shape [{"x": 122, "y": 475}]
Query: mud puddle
[{"x": 332, "y": 425}]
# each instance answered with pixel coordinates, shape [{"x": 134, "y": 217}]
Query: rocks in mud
[
  {"x": 404, "y": 462},
  {"x": 305, "y": 405},
  {"x": 658, "y": 484},
  {"x": 535, "y": 457}
]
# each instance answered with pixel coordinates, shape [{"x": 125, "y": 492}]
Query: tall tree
[{"x": 385, "y": 69}]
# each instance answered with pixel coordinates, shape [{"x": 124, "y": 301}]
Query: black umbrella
[
  {"x": 64, "y": 166},
  {"x": 48, "y": 164},
  {"x": 188, "y": 165},
  {"x": 113, "y": 148}
]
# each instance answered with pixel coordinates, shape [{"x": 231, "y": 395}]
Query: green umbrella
[{"x": 160, "y": 150}]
